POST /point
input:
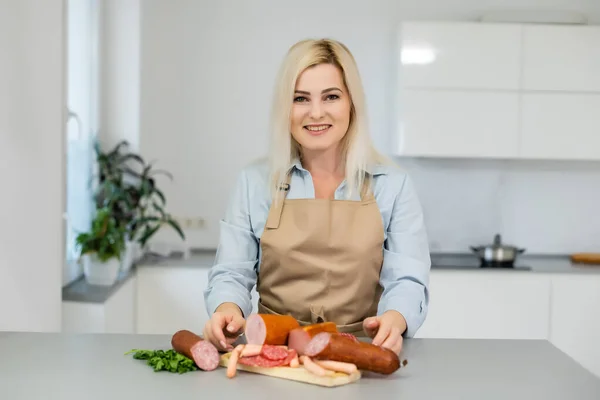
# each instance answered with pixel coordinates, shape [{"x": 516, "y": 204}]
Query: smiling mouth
[{"x": 317, "y": 129}]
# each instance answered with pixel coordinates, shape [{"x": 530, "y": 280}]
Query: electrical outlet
[{"x": 191, "y": 222}]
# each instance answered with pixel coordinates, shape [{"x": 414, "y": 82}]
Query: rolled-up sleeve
[
  {"x": 406, "y": 261},
  {"x": 233, "y": 274}
]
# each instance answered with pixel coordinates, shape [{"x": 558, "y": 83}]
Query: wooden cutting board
[
  {"x": 586, "y": 258},
  {"x": 299, "y": 374}
]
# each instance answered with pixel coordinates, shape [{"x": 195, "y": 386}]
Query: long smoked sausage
[
  {"x": 269, "y": 329},
  {"x": 205, "y": 354},
  {"x": 366, "y": 356},
  {"x": 299, "y": 337}
]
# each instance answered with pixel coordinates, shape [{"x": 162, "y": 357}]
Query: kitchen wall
[
  {"x": 207, "y": 72},
  {"x": 31, "y": 169}
]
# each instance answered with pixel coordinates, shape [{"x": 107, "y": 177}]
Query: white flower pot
[
  {"x": 128, "y": 257},
  {"x": 100, "y": 273}
]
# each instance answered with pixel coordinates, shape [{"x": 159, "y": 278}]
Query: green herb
[{"x": 165, "y": 360}]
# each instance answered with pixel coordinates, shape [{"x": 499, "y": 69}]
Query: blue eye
[{"x": 300, "y": 99}]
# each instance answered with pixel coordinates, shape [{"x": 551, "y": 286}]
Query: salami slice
[
  {"x": 260, "y": 361},
  {"x": 274, "y": 353}
]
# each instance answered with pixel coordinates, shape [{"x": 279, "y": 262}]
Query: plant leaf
[
  {"x": 175, "y": 226},
  {"x": 161, "y": 195}
]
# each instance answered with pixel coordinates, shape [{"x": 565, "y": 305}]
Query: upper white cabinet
[
  {"x": 560, "y": 126},
  {"x": 497, "y": 90},
  {"x": 459, "y": 123},
  {"x": 462, "y": 55},
  {"x": 561, "y": 58}
]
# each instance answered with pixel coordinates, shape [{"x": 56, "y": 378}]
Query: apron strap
[
  {"x": 277, "y": 208},
  {"x": 366, "y": 194},
  {"x": 275, "y": 211}
]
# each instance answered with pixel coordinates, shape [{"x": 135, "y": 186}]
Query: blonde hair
[{"x": 357, "y": 149}]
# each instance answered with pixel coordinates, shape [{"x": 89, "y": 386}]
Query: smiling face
[{"x": 321, "y": 109}]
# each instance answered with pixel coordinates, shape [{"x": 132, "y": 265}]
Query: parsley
[{"x": 165, "y": 360}]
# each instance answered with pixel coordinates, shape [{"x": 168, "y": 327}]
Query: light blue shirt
[{"x": 406, "y": 260}]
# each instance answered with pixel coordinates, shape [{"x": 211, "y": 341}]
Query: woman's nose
[{"x": 316, "y": 110}]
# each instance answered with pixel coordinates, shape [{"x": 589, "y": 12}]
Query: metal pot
[{"x": 497, "y": 252}]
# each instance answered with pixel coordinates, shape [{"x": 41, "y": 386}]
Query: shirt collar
[{"x": 372, "y": 169}]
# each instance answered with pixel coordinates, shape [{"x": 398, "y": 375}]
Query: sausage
[
  {"x": 251, "y": 350},
  {"x": 233, "y": 360},
  {"x": 204, "y": 353},
  {"x": 269, "y": 329},
  {"x": 314, "y": 368},
  {"x": 366, "y": 356},
  {"x": 300, "y": 337},
  {"x": 337, "y": 366}
]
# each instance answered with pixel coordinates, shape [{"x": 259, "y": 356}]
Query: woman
[{"x": 328, "y": 231}]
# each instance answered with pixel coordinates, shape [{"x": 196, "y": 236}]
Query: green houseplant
[
  {"x": 101, "y": 248},
  {"x": 128, "y": 187}
]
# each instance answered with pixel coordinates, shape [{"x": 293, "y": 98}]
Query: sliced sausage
[
  {"x": 274, "y": 353},
  {"x": 366, "y": 356},
  {"x": 269, "y": 329},
  {"x": 204, "y": 353},
  {"x": 300, "y": 337}
]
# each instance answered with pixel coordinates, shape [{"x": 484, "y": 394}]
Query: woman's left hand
[{"x": 386, "y": 330}]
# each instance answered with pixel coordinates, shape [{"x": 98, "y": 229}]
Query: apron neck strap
[
  {"x": 366, "y": 194},
  {"x": 277, "y": 208}
]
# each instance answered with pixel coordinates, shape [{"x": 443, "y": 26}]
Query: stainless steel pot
[{"x": 497, "y": 252}]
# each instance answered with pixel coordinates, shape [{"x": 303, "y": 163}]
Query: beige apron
[{"x": 321, "y": 260}]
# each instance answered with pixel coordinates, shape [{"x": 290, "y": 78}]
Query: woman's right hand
[{"x": 225, "y": 326}]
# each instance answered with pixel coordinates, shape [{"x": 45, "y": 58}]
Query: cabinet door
[
  {"x": 575, "y": 322},
  {"x": 560, "y": 126},
  {"x": 170, "y": 299},
  {"x": 465, "y": 55},
  {"x": 487, "y": 305},
  {"x": 459, "y": 124},
  {"x": 565, "y": 58}
]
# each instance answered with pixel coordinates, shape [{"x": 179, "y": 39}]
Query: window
[{"x": 82, "y": 123}]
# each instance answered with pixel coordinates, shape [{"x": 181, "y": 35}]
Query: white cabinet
[
  {"x": 575, "y": 320},
  {"x": 487, "y": 305},
  {"x": 560, "y": 126},
  {"x": 561, "y": 58},
  {"x": 170, "y": 298},
  {"x": 460, "y": 55},
  {"x": 459, "y": 124},
  {"x": 115, "y": 315},
  {"x": 508, "y": 91}
]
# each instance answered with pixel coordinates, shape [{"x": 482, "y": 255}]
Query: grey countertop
[
  {"x": 72, "y": 367},
  {"x": 536, "y": 263}
]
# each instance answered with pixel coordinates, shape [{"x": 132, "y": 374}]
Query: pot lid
[{"x": 498, "y": 243}]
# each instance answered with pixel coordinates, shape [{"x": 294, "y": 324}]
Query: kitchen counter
[
  {"x": 81, "y": 291},
  {"x": 537, "y": 263},
  {"x": 69, "y": 367},
  {"x": 544, "y": 263}
]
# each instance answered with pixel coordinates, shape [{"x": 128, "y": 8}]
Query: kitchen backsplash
[{"x": 543, "y": 206}]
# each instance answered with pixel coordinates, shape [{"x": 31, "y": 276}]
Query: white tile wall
[{"x": 544, "y": 206}]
